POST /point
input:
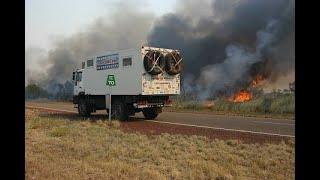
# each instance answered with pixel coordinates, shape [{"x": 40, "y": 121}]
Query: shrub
[{"x": 32, "y": 91}]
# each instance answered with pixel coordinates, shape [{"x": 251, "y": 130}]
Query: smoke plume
[
  {"x": 229, "y": 41},
  {"x": 223, "y": 42}
]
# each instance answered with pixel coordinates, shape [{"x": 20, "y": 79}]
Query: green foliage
[
  {"x": 284, "y": 104},
  {"x": 274, "y": 103},
  {"x": 32, "y": 91},
  {"x": 191, "y": 105}
]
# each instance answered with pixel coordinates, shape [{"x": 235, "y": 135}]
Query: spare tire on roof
[
  {"x": 173, "y": 63},
  {"x": 154, "y": 62}
]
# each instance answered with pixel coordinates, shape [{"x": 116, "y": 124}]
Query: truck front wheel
[
  {"x": 151, "y": 113},
  {"x": 83, "y": 108}
]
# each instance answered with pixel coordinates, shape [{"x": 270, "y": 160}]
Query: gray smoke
[
  {"x": 231, "y": 41},
  {"x": 222, "y": 41},
  {"x": 126, "y": 27},
  {"x": 34, "y": 70}
]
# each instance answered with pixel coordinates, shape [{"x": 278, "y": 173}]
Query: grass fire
[
  {"x": 258, "y": 80},
  {"x": 242, "y": 96},
  {"x": 245, "y": 95}
]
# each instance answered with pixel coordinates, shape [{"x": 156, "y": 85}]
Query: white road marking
[
  {"x": 226, "y": 129},
  {"x": 230, "y": 115},
  {"x": 190, "y": 125},
  {"x": 288, "y": 124}
]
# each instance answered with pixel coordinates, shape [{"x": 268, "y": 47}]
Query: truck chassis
[{"x": 122, "y": 106}]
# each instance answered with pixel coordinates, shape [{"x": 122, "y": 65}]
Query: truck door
[
  {"x": 80, "y": 86},
  {"x": 78, "y": 83}
]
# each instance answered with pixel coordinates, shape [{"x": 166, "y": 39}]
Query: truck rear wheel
[
  {"x": 151, "y": 113},
  {"x": 119, "y": 111},
  {"x": 83, "y": 108}
]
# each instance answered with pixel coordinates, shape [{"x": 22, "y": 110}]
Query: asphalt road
[{"x": 257, "y": 125}]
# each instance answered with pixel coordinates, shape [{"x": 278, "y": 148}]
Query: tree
[{"x": 32, "y": 91}]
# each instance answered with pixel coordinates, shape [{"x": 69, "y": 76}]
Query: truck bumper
[{"x": 140, "y": 106}]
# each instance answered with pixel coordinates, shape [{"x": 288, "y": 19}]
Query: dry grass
[{"x": 76, "y": 149}]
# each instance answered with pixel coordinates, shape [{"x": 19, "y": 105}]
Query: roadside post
[{"x": 111, "y": 81}]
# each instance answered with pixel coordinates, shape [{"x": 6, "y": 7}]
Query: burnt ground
[
  {"x": 152, "y": 128},
  {"x": 139, "y": 125}
]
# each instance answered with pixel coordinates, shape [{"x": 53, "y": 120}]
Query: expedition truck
[{"x": 138, "y": 79}]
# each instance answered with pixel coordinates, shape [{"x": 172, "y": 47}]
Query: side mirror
[{"x": 73, "y": 76}]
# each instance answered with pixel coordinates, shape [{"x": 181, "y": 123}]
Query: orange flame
[
  {"x": 258, "y": 80},
  {"x": 242, "y": 96},
  {"x": 245, "y": 95},
  {"x": 208, "y": 104}
]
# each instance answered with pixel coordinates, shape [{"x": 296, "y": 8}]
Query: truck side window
[
  {"x": 127, "y": 61},
  {"x": 89, "y": 62}
]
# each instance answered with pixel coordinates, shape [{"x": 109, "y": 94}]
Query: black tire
[
  {"x": 173, "y": 63},
  {"x": 151, "y": 113},
  {"x": 152, "y": 66},
  {"x": 83, "y": 109},
  {"x": 119, "y": 111}
]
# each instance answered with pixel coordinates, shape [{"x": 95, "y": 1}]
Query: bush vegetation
[
  {"x": 32, "y": 91},
  {"x": 273, "y": 103},
  {"x": 62, "y": 92}
]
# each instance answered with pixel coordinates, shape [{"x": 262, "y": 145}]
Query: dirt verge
[{"x": 138, "y": 125}]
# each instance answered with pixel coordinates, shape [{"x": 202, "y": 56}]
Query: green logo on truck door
[{"x": 111, "y": 80}]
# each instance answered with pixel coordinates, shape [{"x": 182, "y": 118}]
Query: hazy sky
[{"x": 46, "y": 19}]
